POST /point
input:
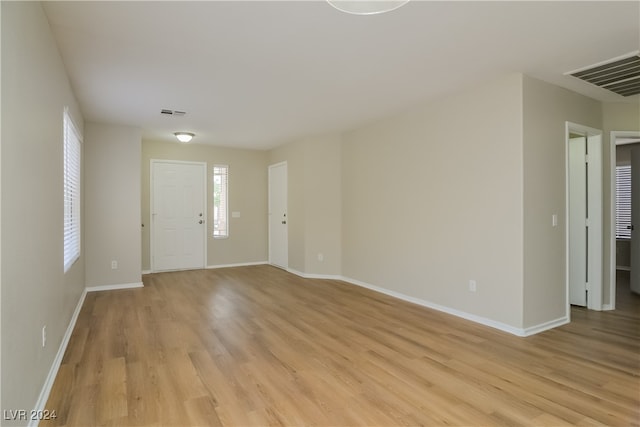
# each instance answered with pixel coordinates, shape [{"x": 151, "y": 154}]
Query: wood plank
[{"x": 258, "y": 346}]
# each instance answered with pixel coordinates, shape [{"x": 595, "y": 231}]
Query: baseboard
[
  {"x": 532, "y": 330},
  {"x": 623, "y": 268},
  {"x": 239, "y": 264},
  {"x": 114, "y": 287},
  {"x": 146, "y": 272},
  {"x": 315, "y": 276},
  {"x": 458, "y": 313},
  {"x": 57, "y": 361},
  {"x": 608, "y": 307}
]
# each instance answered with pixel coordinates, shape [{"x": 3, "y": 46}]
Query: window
[
  {"x": 623, "y": 202},
  {"x": 71, "y": 160},
  {"x": 220, "y": 201}
]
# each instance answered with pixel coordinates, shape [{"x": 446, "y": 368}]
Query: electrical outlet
[
  {"x": 472, "y": 285},
  {"x": 44, "y": 335},
  {"x": 114, "y": 265}
]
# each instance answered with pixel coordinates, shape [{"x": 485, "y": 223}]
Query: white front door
[
  {"x": 278, "y": 221},
  {"x": 635, "y": 220},
  {"x": 178, "y": 215}
]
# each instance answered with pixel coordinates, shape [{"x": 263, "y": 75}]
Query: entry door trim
[{"x": 204, "y": 204}]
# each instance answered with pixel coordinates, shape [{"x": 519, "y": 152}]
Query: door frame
[
  {"x": 204, "y": 204},
  {"x": 284, "y": 163},
  {"x": 613, "y": 143},
  {"x": 594, "y": 302}
]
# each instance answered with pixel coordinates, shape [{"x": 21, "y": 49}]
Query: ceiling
[{"x": 258, "y": 74}]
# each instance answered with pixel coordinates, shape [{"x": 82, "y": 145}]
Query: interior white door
[
  {"x": 178, "y": 216},
  {"x": 635, "y": 219},
  {"x": 577, "y": 224},
  {"x": 585, "y": 221},
  {"x": 278, "y": 221}
]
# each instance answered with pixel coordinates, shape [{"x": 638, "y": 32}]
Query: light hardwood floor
[{"x": 259, "y": 346}]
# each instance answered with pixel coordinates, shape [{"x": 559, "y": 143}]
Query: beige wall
[
  {"x": 623, "y": 153},
  {"x": 247, "y": 242},
  {"x": 112, "y": 204},
  {"x": 546, "y": 109},
  {"x": 314, "y": 203},
  {"x": 35, "y": 290},
  {"x": 433, "y": 198}
]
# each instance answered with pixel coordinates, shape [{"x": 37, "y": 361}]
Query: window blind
[
  {"x": 71, "y": 159},
  {"x": 623, "y": 202},
  {"x": 220, "y": 201}
]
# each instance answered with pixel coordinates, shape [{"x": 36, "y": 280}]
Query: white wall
[
  {"x": 112, "y": 204},
  {"x": 35, "y": 289},
  {"x": 433, "y": 198}
]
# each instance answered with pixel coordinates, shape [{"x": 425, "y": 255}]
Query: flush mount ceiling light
[
  {"x": 184, "y": 136},
  {"x": 367, "y": 7}
]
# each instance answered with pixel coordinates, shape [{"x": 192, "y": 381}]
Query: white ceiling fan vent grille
[{"x": 621, "y": 76}]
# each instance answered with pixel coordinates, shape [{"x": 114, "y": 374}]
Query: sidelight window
[{"x": 220, "y": 201}]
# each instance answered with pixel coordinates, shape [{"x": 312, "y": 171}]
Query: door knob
[
  {"x": 200, "y": 222},
  {"x": 284, "y": 222}
]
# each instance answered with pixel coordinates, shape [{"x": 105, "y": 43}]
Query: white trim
[
  {"x": 468, "y": 316},
  {"x": 532, "y": 330},
  {"x": 623, "y": 268},
  {"x": 613, "y": 137},
  {"x": 238, "y": 264},
  {"x": 114, "y": 287},
  {"x": 57, "y": 361},
  {"x": 458, "y": 313},
  {"x": 146, "y": 272},
  {"x": 315, "y": 276},
  {"x": 204, "y": 204}
]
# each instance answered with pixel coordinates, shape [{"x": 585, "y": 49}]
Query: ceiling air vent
[{"x": 621, "y": 76}]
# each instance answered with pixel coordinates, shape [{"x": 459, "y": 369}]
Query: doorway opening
[{"x": 621, "y": 254}]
